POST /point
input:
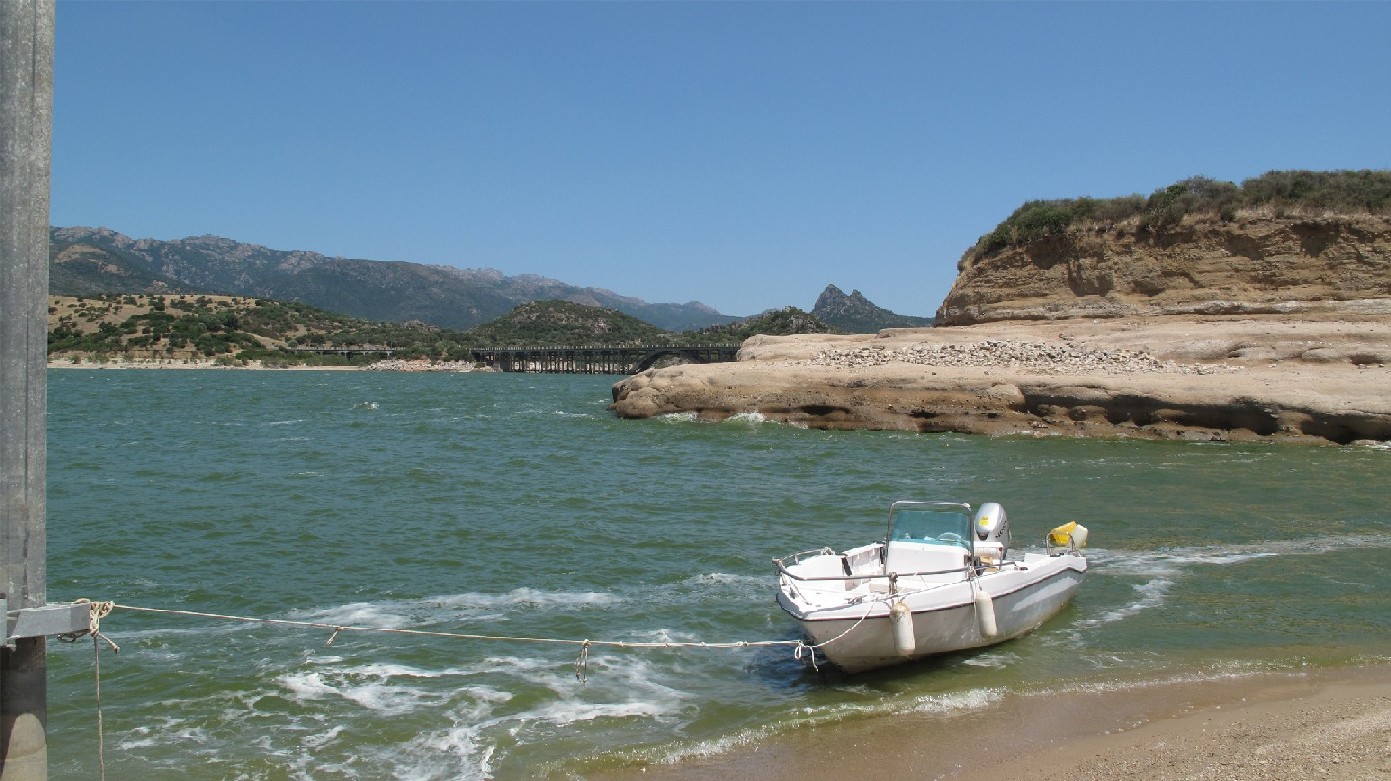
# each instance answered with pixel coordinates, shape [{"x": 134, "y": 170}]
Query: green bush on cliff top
[{"x": 1348, "y": 191}]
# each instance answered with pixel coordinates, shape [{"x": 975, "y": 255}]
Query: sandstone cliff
[
  {"x": 1256, "y": 263},
  {"x": 1258, "y": 328}
]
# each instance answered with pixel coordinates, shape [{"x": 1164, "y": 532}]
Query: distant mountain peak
[{"x": 858, "y": 314}]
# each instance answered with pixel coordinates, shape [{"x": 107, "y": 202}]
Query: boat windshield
[{"x": 940, "y": 523}]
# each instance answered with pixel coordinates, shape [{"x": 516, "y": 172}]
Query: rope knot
[
  {"x": 96, "y": 611},
  {"x": 582, "y": 663}
]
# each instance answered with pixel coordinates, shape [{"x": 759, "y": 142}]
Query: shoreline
[
  {"x": 183, "y": 365},
  {"x": 1287, "y": 726}
]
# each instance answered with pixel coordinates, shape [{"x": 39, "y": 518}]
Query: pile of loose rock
[{"x": 1037, "y": 357}]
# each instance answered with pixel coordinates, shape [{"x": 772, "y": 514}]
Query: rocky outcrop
[
  {"x": 1256, "y": 327},
  {"x": 1251, "y": 265},
  {"x": 1165, "y": 377}
]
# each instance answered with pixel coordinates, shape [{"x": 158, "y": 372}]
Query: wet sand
[{"x": 1333, "y": 724}]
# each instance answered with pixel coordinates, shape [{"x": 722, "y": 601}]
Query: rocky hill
[
  {"x": 1205, "y": 312},
  {"x": 562, "y": 323},
  {"x": 856, "y": 314},
  {"x": 96, "y": 261},
  {"x": 230, "y": 330},
  {"x": 1257, "y": 264},
  {"x": 1222, "y": 252}
]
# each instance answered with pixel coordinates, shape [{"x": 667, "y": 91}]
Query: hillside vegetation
[
  {"x": 229, "y": 329},
  {"x": 774, "y": 322},
  {"x": 235, "y": 330},
  {"x": 566, "y": 324},
  {"x": 98, "y": 261},
  {"x": 1279, "y": 193}
]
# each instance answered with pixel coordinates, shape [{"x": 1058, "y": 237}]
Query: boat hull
[{"x": 859, "y": 636}]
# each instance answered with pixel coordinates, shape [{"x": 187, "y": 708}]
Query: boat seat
[{"x": 946, "y": 560}]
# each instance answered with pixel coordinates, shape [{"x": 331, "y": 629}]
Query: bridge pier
[{"x": 598, "y": 360}]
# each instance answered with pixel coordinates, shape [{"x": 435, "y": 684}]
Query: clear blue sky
[{"x": 739, "y": 154}]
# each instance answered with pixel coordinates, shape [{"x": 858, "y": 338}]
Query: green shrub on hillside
[
  {"x": 1343, "y": 191},
  {"x": 775, "y": 322}
]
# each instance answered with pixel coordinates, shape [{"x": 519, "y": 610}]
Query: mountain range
[{"x": 94, "y": 261}]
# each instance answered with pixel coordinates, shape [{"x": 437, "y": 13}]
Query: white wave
[
  {"x": 1171, "y": 560},
  {"x": 563, "y": 714},
  {"x": 678, "y": 417},
  {"x": 1163, "y": 567},
  {"x": 526, "y": 597},
  {"x": 672, "y": 754},
  {"x": 663, "y": 635},
  {"x": 956, "y": 702},
  {"x": 475, "y": 607},
  {"x": 728, "y": 579},
  {"x": 306, "y": 687},
  {"x": 322, "y": 739},
  {"x": 994, "y": 660},
  {"x": 371, "y": 614},
  {"x": 472, "y": 745},
  {"x": 753, "y": 418},
  {"x": 374, "y": 687},
  {"x": 1153, "y": 593}
]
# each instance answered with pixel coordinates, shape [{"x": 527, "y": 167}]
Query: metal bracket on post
[{"x": 53, "y": 619}]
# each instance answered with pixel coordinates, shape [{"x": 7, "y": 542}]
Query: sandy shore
[{"x": 1267, "y": 727}]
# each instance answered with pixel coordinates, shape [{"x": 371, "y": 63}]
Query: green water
[{"x": 517, "y": 505}]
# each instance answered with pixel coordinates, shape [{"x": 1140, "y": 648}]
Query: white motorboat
[{"x": 943, "y": 579}]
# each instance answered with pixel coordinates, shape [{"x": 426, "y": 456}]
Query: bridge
[{"x": 598, "y": 360}]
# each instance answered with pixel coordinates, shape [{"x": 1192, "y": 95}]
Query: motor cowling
[{"x": 991, "y": 525}]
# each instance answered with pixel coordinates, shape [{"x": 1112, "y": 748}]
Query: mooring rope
[
  {"x": 100, "y": 610},
  {"x": 96, "y": 612},
  {"x": 337, "y": 629}
]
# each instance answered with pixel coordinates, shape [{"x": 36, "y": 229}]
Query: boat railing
[
  {"x": 782, "y": 564},
  {"x": 782, "y": 569},
  {"x": 797, "y": 557}
]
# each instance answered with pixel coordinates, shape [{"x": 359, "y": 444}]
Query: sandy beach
[{"x": 1333, "y": 724}]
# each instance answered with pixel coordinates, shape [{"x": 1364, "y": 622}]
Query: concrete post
[{"x": 26, "y": 135}]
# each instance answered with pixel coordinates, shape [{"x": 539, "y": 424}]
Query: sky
[{"x": 740, "y": 154}]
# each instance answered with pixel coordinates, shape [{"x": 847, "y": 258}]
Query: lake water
[{"x": 517, "y": 505}]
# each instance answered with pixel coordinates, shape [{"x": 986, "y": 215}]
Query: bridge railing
[
  {"x": 602, "y": 359},
  {"x": 626, "y": 359}
]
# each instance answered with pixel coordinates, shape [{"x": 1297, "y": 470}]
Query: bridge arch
[
  {"x": 598, "y": 360},
  {"x": 650, "y": 360}
]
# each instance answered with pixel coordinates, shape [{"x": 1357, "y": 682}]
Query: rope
[
  {"x": 582, "y": 664},
  {"x": 338, "y": 629},
  {"x": 100, "y": 610},
  {"x": 797, "y": 653},
  {"x": 96, "y": 612}
]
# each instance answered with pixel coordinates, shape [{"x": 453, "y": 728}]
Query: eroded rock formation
[
  {"x": 1261, "y": 328},
  {"x": 1204, "y": 266}
]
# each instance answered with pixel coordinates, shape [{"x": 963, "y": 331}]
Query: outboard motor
[{"x": 992, "y": 530}]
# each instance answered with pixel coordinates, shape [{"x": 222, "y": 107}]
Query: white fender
[
  {"x": 985, "y": 610},
  {"x": 901, "y": 617}
]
